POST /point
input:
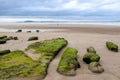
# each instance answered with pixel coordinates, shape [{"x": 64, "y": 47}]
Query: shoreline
[
  {"x": 38, "y": 25},
  {"x": 75, "y": 28}
]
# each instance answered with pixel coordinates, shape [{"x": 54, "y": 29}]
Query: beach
[{"x": 79, "y": 36}]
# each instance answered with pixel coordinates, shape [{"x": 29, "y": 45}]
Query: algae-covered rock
[
  {"x": 3, "y": 41},
  {"x": 91, "y": 57},
  {"x": 18, "y": 64},
  {"x": 3, "y": 37},
  {"x": 112, "y": 46},
  {"x": 47, "y": 49},
  {"x": 10, "y": 38},
  {"x": 33, "y": 38},
  {"x": 68, "y": 63},
  {"x": 3, "y": 52},
  {"x": 95, "y": 67},
  {"x": 91, "y": 50}
]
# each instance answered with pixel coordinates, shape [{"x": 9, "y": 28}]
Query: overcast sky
[{"x": 59, "y": 7}]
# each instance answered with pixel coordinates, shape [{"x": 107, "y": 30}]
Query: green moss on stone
[
  {"x": 112, "y": 46},
  {"x": 18, "y": 64},
  {"x": 3, "y": 37},
  {"x": 48, "y": 46},
  {"x": 68, "y": 63},
  {"x": 48, "y": 49},
  {"x": 91, "y": 57}
]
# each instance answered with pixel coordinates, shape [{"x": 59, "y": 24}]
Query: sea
[
  {"x": 99, "y": 20},
  {"x": 112, "y": 20}
]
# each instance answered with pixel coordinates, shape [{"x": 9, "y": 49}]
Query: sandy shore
[
  {"x": 87, "y": 28},
  {"x": 79, "y": 37}
]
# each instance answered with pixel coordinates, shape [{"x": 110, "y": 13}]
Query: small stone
[
  {"x": 95, "y": 67},
  {"x": 33, "y": 38},
  {"x": 91, "y": 50},
  {"x": 37, "y": 31},
  {"x": 15, "y": 38},
  {"x": 28, "y": 31},
  {"x": 19, "y": 30}
]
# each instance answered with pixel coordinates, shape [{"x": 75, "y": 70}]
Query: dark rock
[
  {"x": 3, "y": 41},
  {"x": 37, "y": 31},
  {"x": 15, "y": 38},
  {"x": 33, "y": 38},
  {"x": 19, "y": 30},
  {"x": 3, "y": 52},
  {"x": 28, "y": 31}
]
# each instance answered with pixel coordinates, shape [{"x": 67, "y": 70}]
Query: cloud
[
  {"x": 113, "y": 7},
  {"x": 74, "y": 4},
  {"x": 67, "y": 6},
  {"x": 93, "y": 5}
]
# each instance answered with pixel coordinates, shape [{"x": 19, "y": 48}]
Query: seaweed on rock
[
  {"x": 68, "y": 63},
  {"x": 18, "y": 64},
  {"x": 3, "y": 37},
  {"x": 91, "y": 57},
  {"x": 48, "y": 49},
  {"x": 112, "y": 46}
]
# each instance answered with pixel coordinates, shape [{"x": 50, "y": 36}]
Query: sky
[{"x": 59, "y": 7}]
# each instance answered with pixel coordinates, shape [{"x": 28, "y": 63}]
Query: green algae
[{"x": 68, "y": 63}]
